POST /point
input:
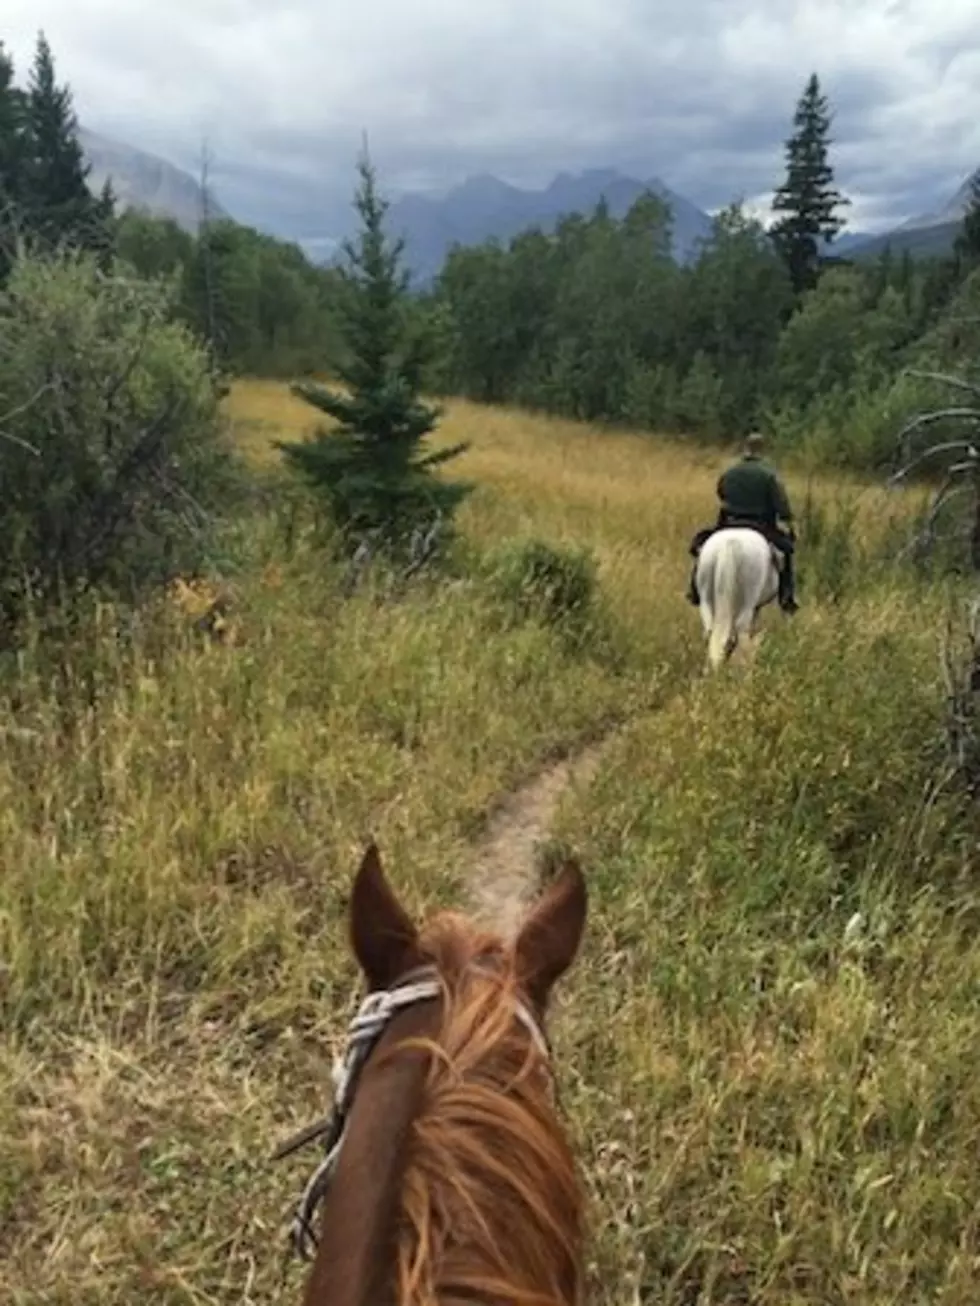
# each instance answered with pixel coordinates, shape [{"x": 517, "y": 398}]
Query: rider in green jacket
[{"x": 751, "y": 494}]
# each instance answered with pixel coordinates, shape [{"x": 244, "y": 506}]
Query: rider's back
[{"x": 750, "y": 490}]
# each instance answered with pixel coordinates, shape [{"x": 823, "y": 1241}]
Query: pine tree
[
  {"x": 11, "y": 161},
  {"x": 373, "y": 469},
  {"x": 966, "y": 247},
  {"x": 808, "y": 198},
  {"x": 59, "y": 205},
  {"x": 105, "y": 225}
]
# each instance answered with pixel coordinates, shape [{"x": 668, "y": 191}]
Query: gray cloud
[{"x": 699, "y": 92}]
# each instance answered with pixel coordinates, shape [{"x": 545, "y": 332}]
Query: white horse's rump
[{"x": 736, "y": 576}]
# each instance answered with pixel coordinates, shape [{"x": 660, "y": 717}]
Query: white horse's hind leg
[
  {"x": 741, "y": 648},
  {"x": 707, "y": 620},
  {"x": 756, "y": 634},
  {"x": 753, "y": 644},
  {"x": 705, "y": 582}
]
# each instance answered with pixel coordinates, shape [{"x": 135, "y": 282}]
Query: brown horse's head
[{"x": 449, "y": 1178}]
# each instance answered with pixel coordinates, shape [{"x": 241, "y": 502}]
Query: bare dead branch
[
  {"x": 178, "y": 491},
  {"x": 939, "y": 415},
  {"x": 923, "y": 539},
  {"x": 943, "y": 378},
  {"x": 948, "y": 446},
  {"x": 358, "y": 565},
  {"x": 23, "y": 444},
  {"x": 114, "y": 506},
  {"x": 945, "y": 491},
  {"x": 204, "y": 244},
  {"x": 27, "y": 404},
  {"x": 18, "y": 412},
  {"x": 423, "y": 546},
  {"x": 960, "y": 668},
  {"x": 960, "y": 665}
]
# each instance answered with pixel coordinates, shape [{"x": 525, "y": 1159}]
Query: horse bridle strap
[{"x": 365, "y": 1029}]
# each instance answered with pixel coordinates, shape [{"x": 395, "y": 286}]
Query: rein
[{"x": 363, "y": 1033}]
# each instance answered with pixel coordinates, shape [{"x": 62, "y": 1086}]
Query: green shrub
[
  {"x": 551, "y": 583},
  {"x": 113, "y": 459},
  {"x": 854, "y": 426}
]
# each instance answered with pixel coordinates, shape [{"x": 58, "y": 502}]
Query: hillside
[
  {"x": 767, "y": 1049},
  {"x": 929, "y": 234},
  {"x": 952, "y": 212},
  {"x": 146, "y": 181},
  {"x": 931, "y": 241}
]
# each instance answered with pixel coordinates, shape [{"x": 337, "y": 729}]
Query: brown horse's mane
[{"x": 491, "y": 1208}]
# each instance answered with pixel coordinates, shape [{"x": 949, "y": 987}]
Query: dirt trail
[{"x": 504, "y": 875}]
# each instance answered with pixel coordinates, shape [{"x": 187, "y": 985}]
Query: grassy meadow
[{"x": 769, "y": 1045}]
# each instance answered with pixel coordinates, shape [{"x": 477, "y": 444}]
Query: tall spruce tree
[
  {"x": 808, "y": 198},
  {"x": 373, "y": 468},
  {"x": 11, "y": 161},
  {"x": 966, "y": 247},
  {"x": 59, "y": 207}
]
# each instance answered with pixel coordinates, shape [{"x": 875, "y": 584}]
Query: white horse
[{"x": 737, "y": 575}]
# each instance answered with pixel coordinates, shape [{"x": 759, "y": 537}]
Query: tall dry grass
[{"x": 772, "y": 1094}]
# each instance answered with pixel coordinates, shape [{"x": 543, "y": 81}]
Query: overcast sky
[{"x": 697, "y": 92}]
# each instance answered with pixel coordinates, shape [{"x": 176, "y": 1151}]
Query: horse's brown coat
[{"x": 456, "y": 1183}]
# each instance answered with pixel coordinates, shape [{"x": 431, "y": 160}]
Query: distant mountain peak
[
  {"x": 483, "y": 182},
  {"x": 929, "y": 234},
  {"x": 483, "y": 207},
  {"x": 954, "y": 210},
  {"x": 595, "y": 176}
]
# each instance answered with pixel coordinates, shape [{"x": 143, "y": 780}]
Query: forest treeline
[
  {"x": 765, "y": 327},
  {"x": 596, "y": 321},
  {"x": 593, "y": 320}
]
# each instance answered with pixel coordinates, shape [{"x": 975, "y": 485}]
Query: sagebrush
[{"x": 115, "y": 458}]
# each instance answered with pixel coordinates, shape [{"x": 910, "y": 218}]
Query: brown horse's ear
[
  {"x": 384, "y": 939},
  {"x": 551, "y": 934}
]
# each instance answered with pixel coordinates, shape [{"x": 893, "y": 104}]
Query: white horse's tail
[{"x": 725, "y": 604}]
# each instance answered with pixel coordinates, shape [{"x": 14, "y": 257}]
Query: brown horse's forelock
[{"x": 491, "y": 1208}]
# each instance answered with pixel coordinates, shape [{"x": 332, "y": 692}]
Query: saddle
[
  {"x": 776, "y": 553},
  {"x": 778, "y": 556}
]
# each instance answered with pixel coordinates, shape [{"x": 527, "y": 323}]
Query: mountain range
[{"x": 483, "y": 206}]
